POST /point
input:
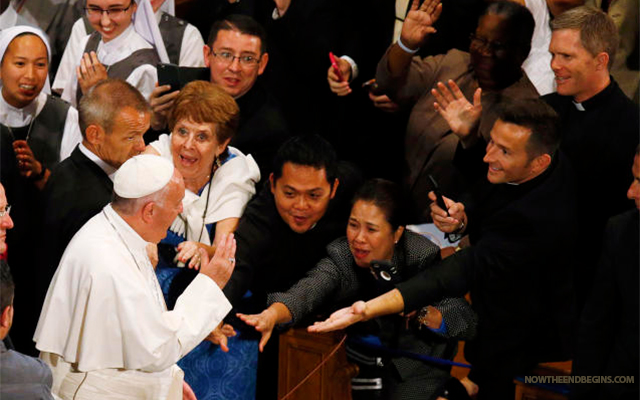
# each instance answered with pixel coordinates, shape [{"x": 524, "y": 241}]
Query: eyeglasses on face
[
  {"x": 493, "y": 46},
  {"x": 113, "y": 12},
  {"x": 226, "y": 58},
  {"x": 6, "y": 211}
]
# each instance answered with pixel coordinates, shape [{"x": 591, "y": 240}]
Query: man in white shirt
[
  {"x": 116, "y": 50},
  {"x": 104, "y": 328}
]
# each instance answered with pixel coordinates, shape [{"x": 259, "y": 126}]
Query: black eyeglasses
[
  {"x": 493, "y": 46},
  {"x": 115, "y": 12},
  {"x": 226, "y": 58}
]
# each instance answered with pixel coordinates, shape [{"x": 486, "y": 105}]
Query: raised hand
[
  {"x": 220, "y": 267},
  {"x": 341, "y": 319},
  {"x": 447, "y": 223},
  {"x": 90, "y": 71},
  {"x": 462, "y": 116},
  {"x": 161, "y": 103},
  {"x": 219, "y": 336},
  {"x": 419, "y": 23}
]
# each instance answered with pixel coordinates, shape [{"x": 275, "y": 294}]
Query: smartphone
[
  {"x": 439, "y": 199},
  {"x": 336, "y": 68},
  {"x": 169, "y": 74},
  {"x": 372, "y": 86}
]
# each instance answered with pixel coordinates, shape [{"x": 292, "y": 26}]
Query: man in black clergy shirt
[
  {"x": 599, "y": 124},
  {"x": 521, "y": 225},
  {"x": 285, "y": 229}
]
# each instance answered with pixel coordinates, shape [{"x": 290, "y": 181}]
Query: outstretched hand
[
  {"x": 419, "y": 23},
  {"x": 220, "y": 267},
  {"x": 220, "y": 334},
  {"x": 263, "y": 322},
  {"x": 462, "y": 116},
  {"x": 341, "y": 319}
]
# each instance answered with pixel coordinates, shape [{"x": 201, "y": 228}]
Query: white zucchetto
[{"x": 142, "y": 175}]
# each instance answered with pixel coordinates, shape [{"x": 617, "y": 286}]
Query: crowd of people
[{"x": 158, "y": 234}]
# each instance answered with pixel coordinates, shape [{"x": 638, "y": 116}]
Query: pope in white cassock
[{"x": 104, "y": 327}]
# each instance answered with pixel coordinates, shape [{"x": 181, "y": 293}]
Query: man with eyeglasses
[
  {"x": 490, "y": 69},
  {"x": 235, "y": 57},
  {"x": 116, "y": 50}
]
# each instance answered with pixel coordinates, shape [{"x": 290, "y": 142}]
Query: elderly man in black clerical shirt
[
  {"x": 599, "y": 126},
  {"x": 285, "y": 230},
  {"x": 520, "y": 224}
]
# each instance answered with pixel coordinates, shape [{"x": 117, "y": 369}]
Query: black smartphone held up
[
  {"x": 384, "y": 270},
  {"x": 436, "y": 189},
  {"x": 169, "y": 74}
]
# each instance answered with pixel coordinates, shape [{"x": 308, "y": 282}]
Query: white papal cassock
[{"x": 104, "y": 326}]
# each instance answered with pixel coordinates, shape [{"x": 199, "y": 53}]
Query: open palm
[{"x": 418, "y": 23}]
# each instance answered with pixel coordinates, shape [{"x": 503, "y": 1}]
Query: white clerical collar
[
  {"x": 19, "y": 117},
  {"x": 578, "y": 106},
  {"x": 115, "y": 44},
  {"x": 108, "y": 169},
  {"x": 131, "y": 238}
]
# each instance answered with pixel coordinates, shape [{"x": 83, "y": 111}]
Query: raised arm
[{"x": 416, "y": 28}]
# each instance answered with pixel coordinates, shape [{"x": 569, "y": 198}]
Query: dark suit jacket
[
  {"x": 607, "y": 343},
  {"x": 517, "y": 269},
  {"x": 262, "y": 128}
]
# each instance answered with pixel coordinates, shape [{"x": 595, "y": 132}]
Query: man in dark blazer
[
  {"x": 113, "y": 118},
  {"x": 521, "y": 225},
  {"x": 607, "y": 341}
]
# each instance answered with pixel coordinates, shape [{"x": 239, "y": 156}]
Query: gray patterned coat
[{"x": 337, "y": 279}]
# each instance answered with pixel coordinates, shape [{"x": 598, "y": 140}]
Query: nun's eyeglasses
[{"x": 114, "y": 12}]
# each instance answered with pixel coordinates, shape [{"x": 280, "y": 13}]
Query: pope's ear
[{"x": 148, "y": 211}]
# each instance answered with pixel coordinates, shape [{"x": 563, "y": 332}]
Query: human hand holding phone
[{"x": 336, "y": 74}]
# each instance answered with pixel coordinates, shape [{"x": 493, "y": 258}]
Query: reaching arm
[
  {"x": 277, "y": 313},
  {"x": 388, "y": 303}
]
